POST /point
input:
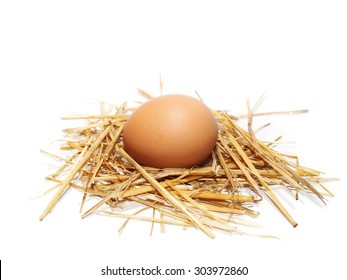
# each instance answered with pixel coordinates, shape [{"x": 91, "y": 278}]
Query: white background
[{"x": 58, "y": 57}]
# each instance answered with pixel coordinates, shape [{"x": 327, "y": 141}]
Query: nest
[{"x": 240, "y": 172}]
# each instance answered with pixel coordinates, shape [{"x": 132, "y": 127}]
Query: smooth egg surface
[{"x": 172, "y": 130}]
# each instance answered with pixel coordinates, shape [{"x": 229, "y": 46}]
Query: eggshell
[{"x": 171, "y": 131}]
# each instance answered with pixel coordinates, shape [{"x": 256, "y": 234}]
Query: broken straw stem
[{"x": 78, "y": 165}]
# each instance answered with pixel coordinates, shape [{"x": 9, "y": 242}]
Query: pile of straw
[{"x": 241, "y": 171}]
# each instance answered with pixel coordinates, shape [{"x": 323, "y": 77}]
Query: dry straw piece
[{"x": 241, "y": 171}]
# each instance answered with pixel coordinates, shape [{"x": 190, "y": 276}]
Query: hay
[{"x": 240, "y": 172}]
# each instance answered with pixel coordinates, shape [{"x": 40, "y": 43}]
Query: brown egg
[{"x": 171, "y": 131}]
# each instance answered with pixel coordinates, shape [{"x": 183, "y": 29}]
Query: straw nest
[{"x": 241, "y": 171}]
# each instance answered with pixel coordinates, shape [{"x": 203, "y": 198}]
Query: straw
[{"x": 241, "y": 171}]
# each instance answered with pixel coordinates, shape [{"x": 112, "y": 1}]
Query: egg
[{"x": 171, "y": 130}]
